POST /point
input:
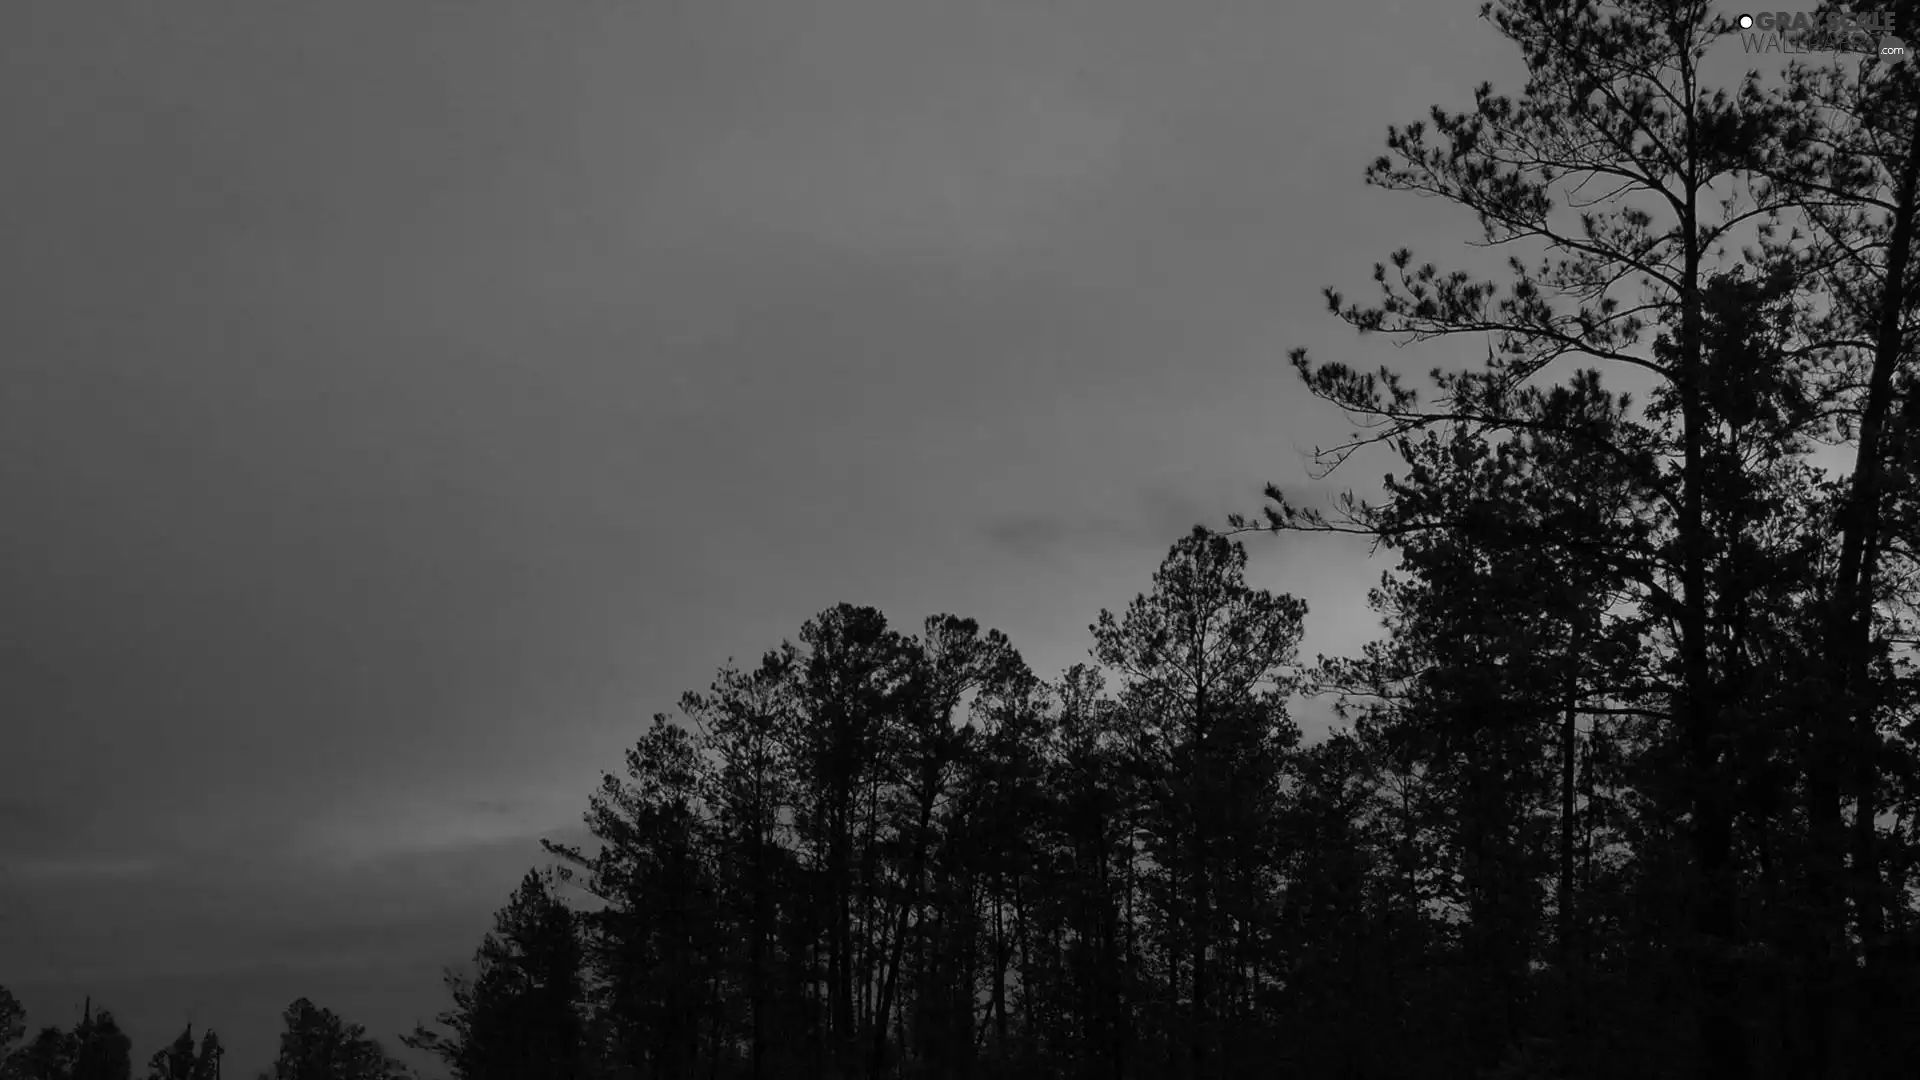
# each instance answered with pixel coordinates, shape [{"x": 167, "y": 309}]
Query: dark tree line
[
  {"x": 315, "y": 1044},
  {"x": 878, "y": 853},
  {"x": 94, "y": 1049},
  {"x": 1629, "y": 788}
]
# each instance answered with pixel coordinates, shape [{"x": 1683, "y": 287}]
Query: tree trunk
[
  {"x": 999, "y": 982},
  {"x": 1199, "y": 797},
  {"x": 1848, "y": 631},
  {"x": 1858, "y": 563},
  {"x": 1722, "y": 1046},
  {"x": 1570, "y": 975},
  {"x": 907, "y": 906}
]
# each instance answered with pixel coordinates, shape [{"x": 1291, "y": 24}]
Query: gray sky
[{"x": 401, "y": 402}]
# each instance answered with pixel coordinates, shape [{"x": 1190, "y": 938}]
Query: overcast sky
[{"x": 403, "y": 401}]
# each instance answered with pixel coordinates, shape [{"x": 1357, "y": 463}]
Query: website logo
[{"x": 1803, "y": 32}]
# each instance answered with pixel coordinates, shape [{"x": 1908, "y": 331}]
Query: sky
[{"x": 402, "y": 402}]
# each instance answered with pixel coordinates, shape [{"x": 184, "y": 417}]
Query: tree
[
  {"x": 1203, "y": 660},
  {"x": 521, "y": 1016},
  {"x": 657, "y": 949},
  {"x": 318, "y": 1045},
  {"x": 740, "y": 722},
  {"x": 1614, "y": 102},
  {"x": 13, "y": 1022},
  {"x": 1859, "y": 185},
  {"x": 49, "y": 1055},
  {"x": 180, "y": 1061},
  {"x": 101, "y": 1051},
  {"x": 1092, "y": 803},
  {"x": 852, "y": 688},
  {"x": 1498, "y": 646},
  {"x": 775, "y": 875},
  {"x": 956, "y": 662}
]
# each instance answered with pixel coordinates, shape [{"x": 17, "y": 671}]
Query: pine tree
[
  {"x": 316, "y": 1044},
  {"x": 521, "y": 1015},
  {"x": 1203, "y": 660}
]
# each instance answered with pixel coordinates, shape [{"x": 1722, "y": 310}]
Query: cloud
[
  {"x": 1037, "y": 534},
  {"x": 887, "y": 180}
]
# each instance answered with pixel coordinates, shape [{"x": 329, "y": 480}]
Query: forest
[{"x": 1629, "y": 787}]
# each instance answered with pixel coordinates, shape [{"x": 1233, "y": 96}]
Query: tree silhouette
[
  {"x": 1749, "y": 364},
  {"x": 520, "y": 1016},
  {"x": 181, "y": 1061},
  {"x": 316, "y": 1044}
]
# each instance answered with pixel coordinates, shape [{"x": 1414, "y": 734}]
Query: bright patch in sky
[{"x": 374, "y": 829}]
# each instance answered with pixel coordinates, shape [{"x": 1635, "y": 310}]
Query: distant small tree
[
  {"x": 179, "y": 1060},
  {"x": 13, "y": 1022},
  {"x": 318, "y": 1045},
  {"x": 101, "y": 1050},
  {"x": 48, "y": 1056}
]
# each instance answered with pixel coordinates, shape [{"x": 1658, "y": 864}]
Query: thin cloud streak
[{"x": 64, "y": 869}]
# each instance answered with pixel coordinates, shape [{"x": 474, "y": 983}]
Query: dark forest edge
[{"x": 1630, "y": 788}]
